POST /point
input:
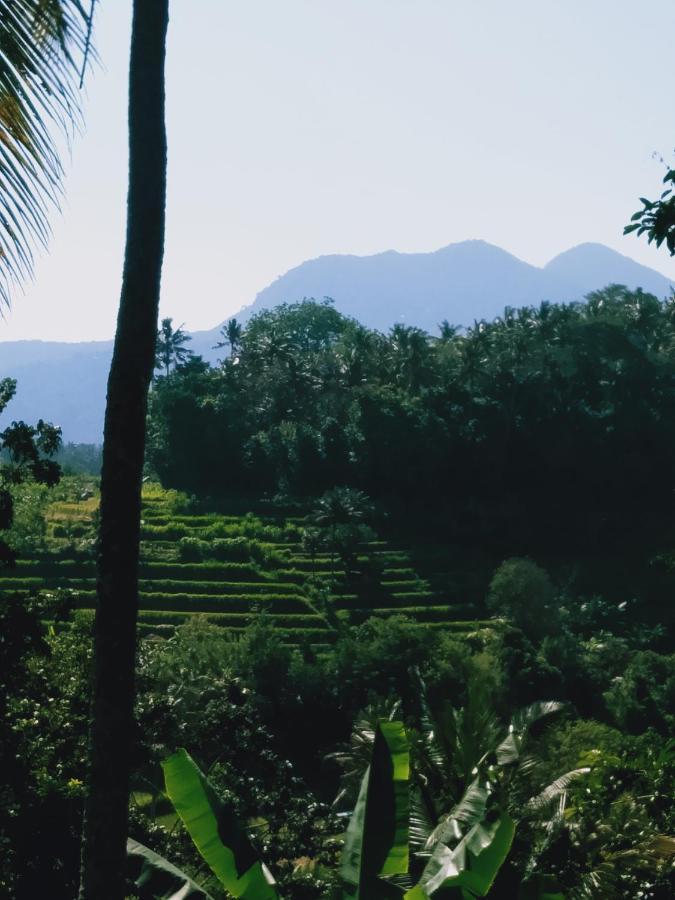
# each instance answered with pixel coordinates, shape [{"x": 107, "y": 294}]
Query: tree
[
  {"x": 29, "y": 450},
  {"x": 231, "y": 333},
  {"x": 522, "y": 591},
  {"x": 41, "y": 42},
  {"x": 344, "y": 512},
  {"x": 170, "y": 349},
  {"x": 111, "y": 735},
  {"x": 656, "y": 219}
]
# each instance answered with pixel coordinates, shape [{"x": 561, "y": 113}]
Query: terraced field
[{"x": 228, "y": 569}]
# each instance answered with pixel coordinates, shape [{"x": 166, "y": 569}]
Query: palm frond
[
  {"x": 421, "y": 825},
  {"x": 354, "y": 759},
  {"x": 644, "y": 860},
  {"x": 41, "y": 42},
  {"x": 510, "y": 749},
  {"x": 525, "y": 718},
  {"x": 555, "y": 789}
]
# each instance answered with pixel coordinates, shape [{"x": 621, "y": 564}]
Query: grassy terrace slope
[{"x": 230, "y": 568}]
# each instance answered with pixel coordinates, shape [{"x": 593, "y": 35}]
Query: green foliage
[
  {"x": 28, "y": 531},
  {"x": 521, "y": 591},
  {"x": 376, "y": 657},
  {"x": 560, "y": 414},
  {"x": 472, "y": 865},
  {"x": 154, "y": 876},
  {"x": 80, "y": 459},
  {"x": 213, "y": 827},
  {"x": 170, "y": 348},
  {"x": 644, "y": 694},
  {"x": 43, "y": 719},
  {"x": 656, "y": 219},
  {"x": 25, "y": 458},
  {"x": 42, "y": 61},
  {"x": 376, "y": 842}
]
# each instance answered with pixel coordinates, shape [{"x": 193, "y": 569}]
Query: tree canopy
[{"x": 563, "y": 413}]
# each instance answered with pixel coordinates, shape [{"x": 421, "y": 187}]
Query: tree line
[{"x": 562, "y": 413}]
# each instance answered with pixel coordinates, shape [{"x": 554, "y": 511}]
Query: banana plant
[
  {"x": 215, "y": 831},
  {"x": 471, "y": 866},
  {"x": 468, "y": 848},
  {"x": 376, "y": 843}
]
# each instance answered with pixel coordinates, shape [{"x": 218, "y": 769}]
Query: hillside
[
  {"x": 65, "y": 383},
  {"x": 229, "y": 568}
]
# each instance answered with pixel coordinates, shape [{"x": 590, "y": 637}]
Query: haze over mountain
[
  {"x": 65, "y": 383},
  {"x": 461, "y": 282}
]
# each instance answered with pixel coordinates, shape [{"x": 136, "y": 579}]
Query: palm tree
[
  {"x": 42, "y": 47},
  {"x": 111, "y": 735},
  {"x": 231, "y": 333},
  {"x": 170, "y": 347}
]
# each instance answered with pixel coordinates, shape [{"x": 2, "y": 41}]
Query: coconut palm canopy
[{"x": 43, "y": 50}]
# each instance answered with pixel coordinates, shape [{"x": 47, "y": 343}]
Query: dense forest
[
  {"x": 534, "y": 454},
  {"x": 562, "y": 413},
  {"x": 549, "y": 431}
]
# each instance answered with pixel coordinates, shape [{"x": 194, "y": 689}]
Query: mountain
[
  {"x": 590, "y": 265},
  {"x": 65, "y": 383},
  {"x": 462, "y": 282}
]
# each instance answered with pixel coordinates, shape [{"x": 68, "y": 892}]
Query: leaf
[
  {"x": 216, "y": 833},
  {"x": 541, "y": 887},
  {"x": 557, "y": 787},
  {"x": 157, "y": 879},
  {"x": 469, "y": 810},
  {"x": 472, "y": 866},
  {"x": 421, "y": 825},
  {"x": 41, "y": 44},
  {"x": 376, "y": 842}
]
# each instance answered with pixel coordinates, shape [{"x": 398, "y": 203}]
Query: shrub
[
  {"x": 644, "y": 695},
  {"x": 521, "y": 591},
  {"x": 192, "y": 549}
]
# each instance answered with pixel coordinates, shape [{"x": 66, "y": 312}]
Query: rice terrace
[{"x": 227, "y": 569}]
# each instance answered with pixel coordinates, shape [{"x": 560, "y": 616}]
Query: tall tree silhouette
[
  {"x": 111, "y": 735},
  {"x": 170, "y": 346},
  {"x": 231, "y": 334}
]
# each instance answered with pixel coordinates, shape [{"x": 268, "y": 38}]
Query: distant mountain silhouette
[
  {"x": 65, "y": 382},
  {"x": 461, "y": 282}
]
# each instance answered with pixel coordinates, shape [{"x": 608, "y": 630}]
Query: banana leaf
[
  {"x": 213, "y": 827},
  {"x": 376, "y": 842},
  {"x": 473, "y": 864},
  {"x": 469, "y": 810},
  {"x": 155, "y": 878}
]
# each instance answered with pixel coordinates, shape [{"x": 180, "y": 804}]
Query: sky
[{"x": 309, "y": 127}]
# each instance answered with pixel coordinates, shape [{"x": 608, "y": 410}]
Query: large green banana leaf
[
  {"x": 376, "y": 842},
  {"x": 213, "y": 827},
  {"x": 155, "y": 878},
  {"x": 472, "y": 866}
]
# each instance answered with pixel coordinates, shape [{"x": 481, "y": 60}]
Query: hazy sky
[{"x": 304, "y": 127}]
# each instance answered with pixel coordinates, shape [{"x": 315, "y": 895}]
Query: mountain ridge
[{"x": 65, "y": 382}]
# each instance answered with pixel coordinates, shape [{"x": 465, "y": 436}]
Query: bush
[
  {"x": 644, "y": 695},
  {"x": 522, "y": 591},
  {"x": 192, "y": 549}
]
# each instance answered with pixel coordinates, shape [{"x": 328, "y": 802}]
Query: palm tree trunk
[{"x": 111, "y": 734}]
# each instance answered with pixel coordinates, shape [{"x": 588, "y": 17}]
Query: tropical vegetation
[{"x": 406, "y": 599}]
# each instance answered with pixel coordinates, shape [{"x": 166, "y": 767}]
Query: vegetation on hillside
[{"x": 563, "y": 414}]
